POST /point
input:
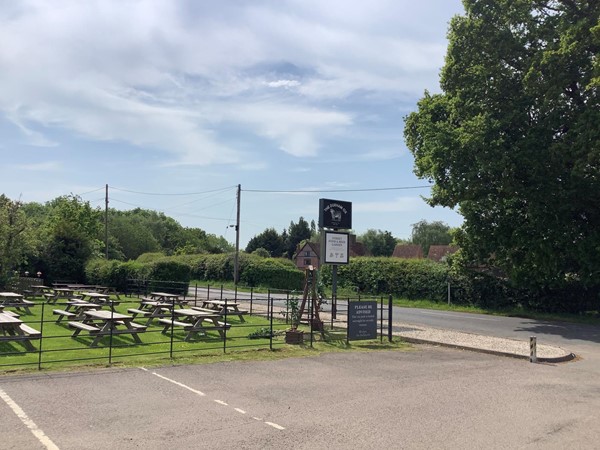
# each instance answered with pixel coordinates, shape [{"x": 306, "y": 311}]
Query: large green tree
[
  {"x": 269, "y": 240},
  {"x": 513, "y": 139},
  {"x": 69, "y": 237},
  {"x": 427, "y": 234},
  {"x": 379, "y": 243},
  {"x": 297, "y": 232},
  {"x": 15, "y": 238}
]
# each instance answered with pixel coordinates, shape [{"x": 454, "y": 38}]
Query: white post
[{"x": 532, "y": 349}]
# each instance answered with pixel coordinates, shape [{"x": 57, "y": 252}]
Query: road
[
  {"x": 430, "y": 398},
  {"x": 581, "y": 339}
]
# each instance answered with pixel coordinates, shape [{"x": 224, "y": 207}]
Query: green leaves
[{"x": 514, "y": 141}]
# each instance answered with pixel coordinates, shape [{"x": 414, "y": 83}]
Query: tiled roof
[
  {"x": 437, "y": 252},
  {"x": 408, "y": 251}
]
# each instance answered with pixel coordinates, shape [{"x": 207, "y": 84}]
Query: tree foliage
[
  {"x": 60, "y": 236},
  {"x": 427, "y": 234},
  {"x": 513, "y": 140},
  {"x": 70, "y": 236},
  {"x": 269, "y": 240},
  {"x": 379, "y": 243},
  {"x": 297, "y": 232},
  {"x": 15, "y": 237}
]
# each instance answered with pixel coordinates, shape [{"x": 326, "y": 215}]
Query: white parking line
[
  {"x": 220, "y": 402},
  {"x": 39, "y": 434}
]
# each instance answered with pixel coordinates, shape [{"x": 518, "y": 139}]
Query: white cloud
[
  {"x": 283, "y": 83},
  {"x": 49, "y": 166},
  {"x": 170, "y": 75}
]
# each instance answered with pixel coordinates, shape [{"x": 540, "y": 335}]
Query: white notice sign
[{"x": 337, "y": 248}]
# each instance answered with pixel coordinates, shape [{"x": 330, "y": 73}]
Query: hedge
[{"x": 253, "y": 270}]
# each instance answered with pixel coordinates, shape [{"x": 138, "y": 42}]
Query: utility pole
[
  {"x": 236, "y": 263},
  {"x": 106, "y": 221}
]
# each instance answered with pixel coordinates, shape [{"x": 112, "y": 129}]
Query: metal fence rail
[{"x": 268, "y": 317}]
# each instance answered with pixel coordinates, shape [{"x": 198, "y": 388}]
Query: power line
[
  {"x": 180, "y": 214},
  {"x": 317, "y": 191},
  {"x": 89, "y": 192},
  {"x": 161, "y": 193}
]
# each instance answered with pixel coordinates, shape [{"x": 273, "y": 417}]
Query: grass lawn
[{"x": 58, "y": 350}]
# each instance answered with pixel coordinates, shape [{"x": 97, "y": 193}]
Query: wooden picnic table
[
  {"x": 192, "y": 321},
  {"x": 224, "y": 307},
  {"x": 13, "y": 329},
  {"x": 99, "y": 299},
  {"x": 74, "y": 310},
  {"x": 104, "y": 323},
  {"x": 12, "y": 299},
  {"x": 167, "y": 297},
  {"x": 152, "y": 309}
]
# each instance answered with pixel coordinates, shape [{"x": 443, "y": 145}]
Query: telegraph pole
[
  {"x": 106, "y": 221},
  {"x": 236, "y": 263}
]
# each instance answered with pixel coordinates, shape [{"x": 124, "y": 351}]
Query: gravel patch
[{"x": 511, "y": 347}]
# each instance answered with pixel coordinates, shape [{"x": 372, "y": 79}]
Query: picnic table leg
[
  {"x": 28, "y": 345},
  {"x": 134, "y": 332}
]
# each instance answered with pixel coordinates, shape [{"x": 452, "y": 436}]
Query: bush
[
  {"x": 409, "y": 278},
  {"x": 271, "y": 273}
]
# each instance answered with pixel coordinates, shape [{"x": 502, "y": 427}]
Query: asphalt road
[
  {"x": 422, "y": 399},
  {"x": 567, "y": 335}
]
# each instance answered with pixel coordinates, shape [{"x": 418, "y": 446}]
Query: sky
[{"x": 175, "y": 103}]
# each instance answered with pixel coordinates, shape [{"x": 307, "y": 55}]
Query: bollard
[{"x": 532, "y": 349}]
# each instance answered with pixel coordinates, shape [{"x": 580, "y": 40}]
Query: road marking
[
  {"x": 274, "y": 425},
  {"x": 38, "y": 433},
  {"x": 201, "y": 394},
  {"x": 457, "y": 316},
  {"x": 220, "y": 402}
]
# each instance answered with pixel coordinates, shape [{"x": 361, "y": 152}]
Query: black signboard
[
  {"x": 335, "y": 214},
  {"x": 362, "y": 320}
]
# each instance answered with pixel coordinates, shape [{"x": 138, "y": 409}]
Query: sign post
[{"x": 335, "y": 246}]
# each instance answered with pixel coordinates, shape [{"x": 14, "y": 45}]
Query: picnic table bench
[
  {"x": 12, "y": 299},
  {"x": 13, "y": 329},
  {"x": 151, "y": 309},
  {"x": 224, "y": 307},
  {"x": 74, "y": 310},
  {"x": 194, "y": 321},
  {"x": 100, "y": 323}
]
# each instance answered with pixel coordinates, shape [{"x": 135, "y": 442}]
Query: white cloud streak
[{"x": 170, "y": 76}]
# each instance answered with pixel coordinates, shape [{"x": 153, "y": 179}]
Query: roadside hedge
[
  {"x": 254, "y": 270},
  {"x": 409, "y": 278}
]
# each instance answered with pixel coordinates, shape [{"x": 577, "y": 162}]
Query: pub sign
[{"x": 335, "y": 214}]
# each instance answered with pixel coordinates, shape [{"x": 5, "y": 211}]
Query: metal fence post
[
  {"x": 251, "y": 298},
  {"x": 225, "y": 329},
  {"x": 41, "y": 337},
  {"x": 110, "y": 342},
  {"x": 390, "y": 317},
  {"x": 270, "y": 306},
  {"x": 381, "y": 319}
]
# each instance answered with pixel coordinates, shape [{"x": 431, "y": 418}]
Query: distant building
[
  {"x": 309, "y": 253},
  {"x": 440, "y": 252},
  {"x": 408, "y": 251}
]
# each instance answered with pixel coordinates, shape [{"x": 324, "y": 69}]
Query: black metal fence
[{"x": 262, "y": 324}]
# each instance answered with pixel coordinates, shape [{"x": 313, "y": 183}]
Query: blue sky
[{"x": 188, "y": 99}]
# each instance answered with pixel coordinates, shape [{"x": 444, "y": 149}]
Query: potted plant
[{"x": 293, "y": 335}]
